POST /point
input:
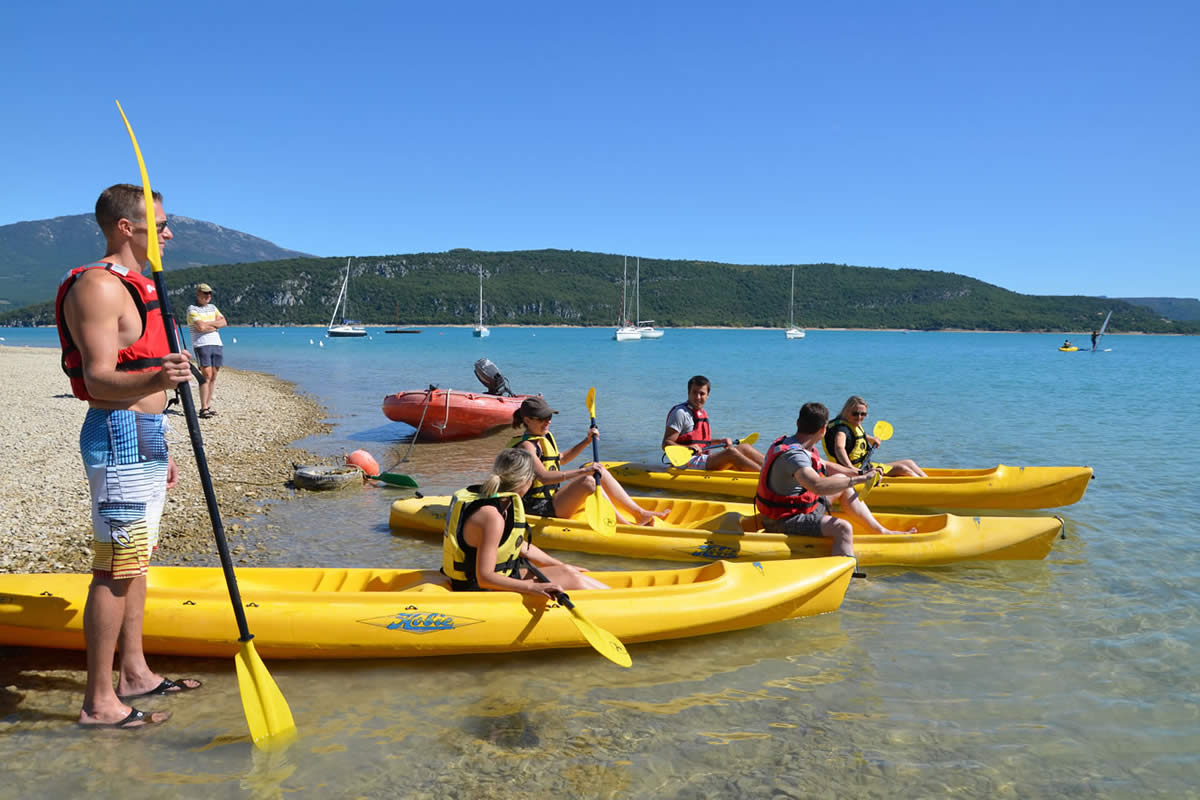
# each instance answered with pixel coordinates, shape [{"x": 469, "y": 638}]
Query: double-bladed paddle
[
  {"x": 679, "y": 455},
  {"x": 601, "y": 515},
  {"x": 601, "y": 640},
  {"x": 267, "y": 713}
]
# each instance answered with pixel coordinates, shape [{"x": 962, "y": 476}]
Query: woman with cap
[
  {"x": 205, "y": 321},
  {"x": 556, "y": 492},
  {"x": 485, "y": 545}
]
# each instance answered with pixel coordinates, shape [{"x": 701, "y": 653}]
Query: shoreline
[
  {"x": 44, "y": 493},
  {"x": 458, "y": 326}
]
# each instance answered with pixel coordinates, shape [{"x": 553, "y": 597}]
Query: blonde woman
[
  {"x": 485, "y": 545},
  {"x": 847, "y": 442}
]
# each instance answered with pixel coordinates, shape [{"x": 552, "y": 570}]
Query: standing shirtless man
[{"x": 116, "y": 355}]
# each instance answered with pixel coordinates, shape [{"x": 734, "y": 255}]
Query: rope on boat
[{"x": 420, "y": 422}]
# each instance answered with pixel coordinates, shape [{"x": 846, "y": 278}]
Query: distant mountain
[
  {"x": 571, "y": 287},
  {"x": 1183, "y": 309},
  {"x": 34, "y": 255}
]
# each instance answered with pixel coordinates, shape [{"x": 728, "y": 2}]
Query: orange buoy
[{"x": 364, "y": 461}]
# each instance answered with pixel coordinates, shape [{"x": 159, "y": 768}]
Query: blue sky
[{"x": 1047, "y": 147}]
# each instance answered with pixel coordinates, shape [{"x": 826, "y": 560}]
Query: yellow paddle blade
[
  {"x": 751, "y": 439},
  {"x": 678, "y": 455},
  {"x": 604, "y": 642},
  {"x": 591, "y": 402},
  {"x": 267, "y": 713},
  {"x": 152, "y": 252},
  {"x": 601, "y": 516},
  {"x": 866, "y": 488},
  {"x": 883, "y": 430}
]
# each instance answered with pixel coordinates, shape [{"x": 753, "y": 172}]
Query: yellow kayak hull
[
  {"x": 706, "y": 530},
  {"x": 1002, "y": 487},
  {"x": 367, "y": 613}
]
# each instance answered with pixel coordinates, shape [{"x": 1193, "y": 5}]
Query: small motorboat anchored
[{"x": 442, "y": 415}]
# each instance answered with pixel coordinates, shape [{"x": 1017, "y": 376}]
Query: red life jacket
[
  {"x": 144, "y": 354},
  {"x": 701, "y": 434},
  {"x": 782, "y": 506}
]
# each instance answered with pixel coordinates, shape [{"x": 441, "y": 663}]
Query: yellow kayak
[
  {"x": 702, "y": 530},
  {"x": 998, "y": 487},
  {"x": 381, "y": 613}
]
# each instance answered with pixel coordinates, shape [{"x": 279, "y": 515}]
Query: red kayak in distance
[{"x": 443, "y": 415}]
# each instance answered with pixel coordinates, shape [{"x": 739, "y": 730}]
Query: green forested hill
[{"x": 547, "y": 287}]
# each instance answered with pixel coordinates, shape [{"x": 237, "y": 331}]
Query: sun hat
[
  {"x": 203, "y": 287},
  {"x": 535, "y": 407}
]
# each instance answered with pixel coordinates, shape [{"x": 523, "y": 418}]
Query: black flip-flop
[
  {"x": 144, "y": 720},
  {"x": 167, "y": 686}
]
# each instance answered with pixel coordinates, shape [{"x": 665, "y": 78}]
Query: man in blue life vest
[
  {"x": 115, "y": 353},
  {"x": 687, "y": 425},
  {"x": 796, "y": 488}
]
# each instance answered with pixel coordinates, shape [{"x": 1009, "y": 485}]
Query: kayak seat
[
  {"x": 408, "y": 581},
  {"x": 729, "y": 522}
]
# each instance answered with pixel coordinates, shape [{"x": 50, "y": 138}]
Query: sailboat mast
[
  {"x": 624, "y": 282},
  {"x": 341, "y": 293},
  {"x": 481, "y": 297},
  {"x": 792, "y": 304},
  {"x": 637, "y": 293}
]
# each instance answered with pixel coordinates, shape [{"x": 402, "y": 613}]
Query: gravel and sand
[{"x": 44, "y": 499}]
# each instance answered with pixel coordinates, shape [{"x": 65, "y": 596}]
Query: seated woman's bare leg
[
  {"x": 571, "y": 497},
  {"x": 617, "y": 494},
  {"x": 571, "y": 577},
  {"x": 905, "y": 468}
]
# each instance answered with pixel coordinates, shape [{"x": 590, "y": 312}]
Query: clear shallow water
[{"x": 1074, "y": 676}]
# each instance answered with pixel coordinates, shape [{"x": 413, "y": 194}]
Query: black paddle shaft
[
  {"x": 595, "y": 457},
  {"x": 561, "y": 597},
  {"x": 210, "y": 497}
]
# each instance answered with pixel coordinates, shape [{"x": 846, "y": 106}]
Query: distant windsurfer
[{"x": 1095, "y": 339}]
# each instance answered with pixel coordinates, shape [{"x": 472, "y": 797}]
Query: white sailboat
[
  {"x": 645, "y": 327},
  {"x": 792, "y": 331},
  {"x": 347, "y": 327},
  {"x": 480, "y": 330},
  {"x": 625, "y": 332}
]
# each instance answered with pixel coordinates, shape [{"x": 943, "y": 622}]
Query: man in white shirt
[{"x": 204, "y": 320}]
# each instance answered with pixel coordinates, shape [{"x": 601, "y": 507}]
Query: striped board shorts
[{"x": 125, "y": 456}]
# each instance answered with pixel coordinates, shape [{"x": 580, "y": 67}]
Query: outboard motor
[{"x": 489, "y": 375}]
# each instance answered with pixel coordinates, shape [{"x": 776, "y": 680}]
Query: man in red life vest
[
  {"x": 116, "y": 355},
  {"x": 796, "y": 488},
  {"x": 687, "y": 425}
]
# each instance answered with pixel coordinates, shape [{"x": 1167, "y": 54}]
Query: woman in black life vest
[{"x": 485, "y": 545}]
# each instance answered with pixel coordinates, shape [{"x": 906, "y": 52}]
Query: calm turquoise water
[{"x": 1076, "y": 676}]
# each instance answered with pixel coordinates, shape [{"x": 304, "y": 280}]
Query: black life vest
[
  {"x": 547, "y": 451},
  {"x": 857, "y": 447},
  {"x": 459, "y": 557}
]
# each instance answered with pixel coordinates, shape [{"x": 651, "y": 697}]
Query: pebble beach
[{"x": 44, "y": 494}]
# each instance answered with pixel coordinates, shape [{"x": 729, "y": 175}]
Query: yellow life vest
[
  {"x": 459, "y": 558},
  {"x": 857, "y": 446},
  {"x": 547, "y": 450}
]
